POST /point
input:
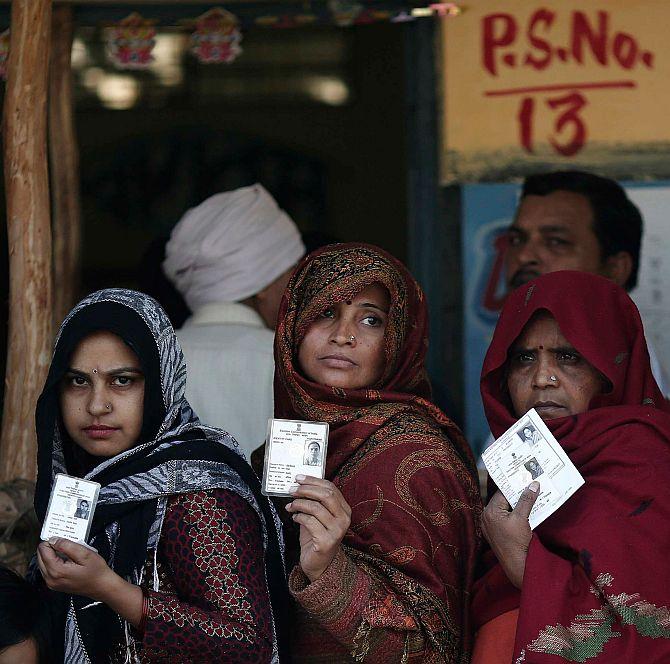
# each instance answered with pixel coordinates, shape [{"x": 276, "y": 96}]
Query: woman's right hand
[
  {"x": 508, "y": 531},
  {"x": 71, "y": 568},
  {"x": 324, "y": 517}
]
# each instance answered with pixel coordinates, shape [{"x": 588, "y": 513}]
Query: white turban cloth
[{"x": 231, "y": 247}]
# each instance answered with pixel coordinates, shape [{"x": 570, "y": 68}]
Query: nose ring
[
  {"x": 352, "y": 338},
  {"x": 553, "y": 379},
  {"x": 108, "y": 406}
]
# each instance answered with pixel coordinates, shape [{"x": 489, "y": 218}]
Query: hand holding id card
[
  {"x": 71, "y": 507},
  {"x": 293, "y": 447},
  {"x": 528, "y": 451}
]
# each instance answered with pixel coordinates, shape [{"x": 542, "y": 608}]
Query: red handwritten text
[{"x": 506, "y": 44}]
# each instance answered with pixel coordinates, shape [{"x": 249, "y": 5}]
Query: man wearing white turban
[{"x": 230, "y": 258}]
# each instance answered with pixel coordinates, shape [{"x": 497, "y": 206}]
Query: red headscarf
[
  {"x": 596, "y": 581},
  {"x": 401, "y": 464},
  {"x": 335, "y": 274}
]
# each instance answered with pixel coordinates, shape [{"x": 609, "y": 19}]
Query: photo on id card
[
  {"x": 293, "y": 447},
  {"x": 71, "y": 507}
]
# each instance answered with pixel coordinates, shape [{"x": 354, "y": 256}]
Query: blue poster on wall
[{"x": 487, "y": 212}]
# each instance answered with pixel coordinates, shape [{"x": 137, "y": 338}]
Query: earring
[{"x": 553, "y": 379}]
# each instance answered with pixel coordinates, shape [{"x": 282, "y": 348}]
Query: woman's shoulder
[
  {"x": 633, "y": 448},
  {"x": 413, "y": 440},
  {"x": 647, "y": 432},
  {"x": 419, "y": 429},
  {"x": 406, "y": 419},
  {"x": 412, "y": 455}
]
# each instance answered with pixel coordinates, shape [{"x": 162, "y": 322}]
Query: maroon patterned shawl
[
  {"x": 401, "y": 464},
  {"x": 597, "y": 580}
]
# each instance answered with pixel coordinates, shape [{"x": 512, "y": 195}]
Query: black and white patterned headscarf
[{"x": 174, "y": 454}]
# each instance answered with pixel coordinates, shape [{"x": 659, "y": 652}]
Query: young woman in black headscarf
[{"x": 189, "y": 562}]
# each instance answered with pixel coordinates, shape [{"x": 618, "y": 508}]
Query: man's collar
[{"x": 231, "y": 313}]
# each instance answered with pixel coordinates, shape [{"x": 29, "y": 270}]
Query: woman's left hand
[
  {"x": 83, "y": 572},
  {"x": 508, "y": 532},
  {"x": 324, "y": 517}
]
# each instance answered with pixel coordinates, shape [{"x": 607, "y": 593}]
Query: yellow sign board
[{"x": 533, "y": 85}]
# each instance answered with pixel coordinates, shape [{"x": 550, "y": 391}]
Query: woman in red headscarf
[
  {"x": 592, "y": 582},
  {"x": 388, "y": 540}
]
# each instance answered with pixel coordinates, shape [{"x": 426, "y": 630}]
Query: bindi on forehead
[{"x": 110, "y": 371}]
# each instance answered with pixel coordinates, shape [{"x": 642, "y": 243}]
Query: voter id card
[
  {"x": 71, "y": 507},
  {"x": 293, "y": 447},
  {"x": 528, "y": 451}
]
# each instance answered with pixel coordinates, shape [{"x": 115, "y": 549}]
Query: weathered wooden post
[
  {"x": 28, "y": 233},
  {"x": 63, "y": 166}
]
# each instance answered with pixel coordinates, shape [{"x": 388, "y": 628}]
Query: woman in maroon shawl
[
  {"x": 592, "y": 582},
  {"x": 388, "y": 540}
]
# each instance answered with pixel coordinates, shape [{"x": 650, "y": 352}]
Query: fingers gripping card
[
  {"x": 71, "y": 507},
  {"x": 528, "y": 451},
  {"x": 293, "y": 447}
]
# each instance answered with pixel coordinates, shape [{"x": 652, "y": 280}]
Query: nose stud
[
  {"x": 553, "y": 379},
  {"x": 352, "y": 338},
  {"x": 108, "y": 406}
]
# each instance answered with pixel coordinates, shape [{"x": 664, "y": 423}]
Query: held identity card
[
  {"x": 293, "y": 447},
  {"x": 528, "y": 451},
  {"x": 71, "y": 507}
]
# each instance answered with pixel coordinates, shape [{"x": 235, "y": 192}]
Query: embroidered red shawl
[
  {"x": 401, "y": 464},
  {"x": 597, "y": 581}
]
